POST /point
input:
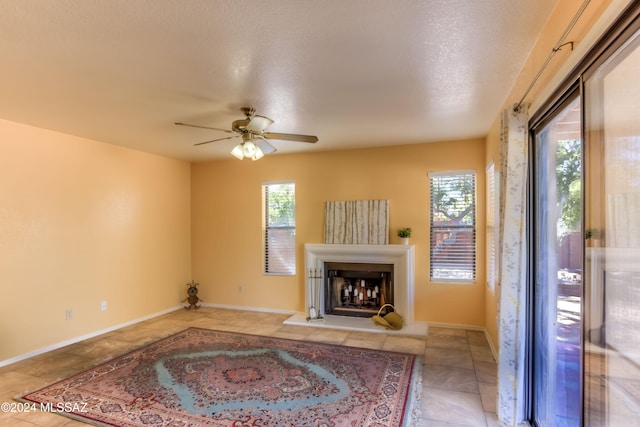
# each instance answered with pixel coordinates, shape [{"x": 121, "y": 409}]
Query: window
[
  {"x": 280, "y": 228},
  {"x": 492, "y": 227},
  {"x": 453, "y": 226}
]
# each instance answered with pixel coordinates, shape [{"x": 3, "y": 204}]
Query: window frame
[
  {"x": 473, "y": 228},
  {"x": 267, "y": 227}
]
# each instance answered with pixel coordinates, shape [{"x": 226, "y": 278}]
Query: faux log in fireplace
[{"x": 357, "y": 289}]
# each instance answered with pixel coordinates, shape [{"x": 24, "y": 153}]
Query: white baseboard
[
  {"x": 85, "y": 337},
  {"x": 494, "y": 351}
]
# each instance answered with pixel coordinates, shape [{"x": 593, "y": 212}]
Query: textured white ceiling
[{"x": 356, "y": 73}]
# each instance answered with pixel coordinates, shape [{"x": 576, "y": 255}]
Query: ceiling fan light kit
[
  {"x": 252, "y": 128},
  {"x": 247, "y": 149}
]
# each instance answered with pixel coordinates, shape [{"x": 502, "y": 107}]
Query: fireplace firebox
[{"x": 357, "y": 289}]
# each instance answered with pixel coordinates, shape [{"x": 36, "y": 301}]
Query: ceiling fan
[{"x": 251, "y": 129}]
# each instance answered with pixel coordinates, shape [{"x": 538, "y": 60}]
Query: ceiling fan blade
[
  {"x": 259, "y": 123},
  {"x": 202, "y": 127},
  {"x": 265, "y": 146},
  {"x": 290, "y": 137},
  {"x": 214, "y": 140}
]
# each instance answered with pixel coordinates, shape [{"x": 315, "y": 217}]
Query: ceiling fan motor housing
[{"x": 240, "y": 125}]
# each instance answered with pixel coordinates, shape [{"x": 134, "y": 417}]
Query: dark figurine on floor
[{"x": 193, "y": 296}]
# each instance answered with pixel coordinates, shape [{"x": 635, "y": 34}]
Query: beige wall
[
  {"x": 227, "y": 221},
  {"x": 83, "y": 222}
]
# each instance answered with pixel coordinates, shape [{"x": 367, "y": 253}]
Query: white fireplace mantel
[{"x": 400, "y": 256}]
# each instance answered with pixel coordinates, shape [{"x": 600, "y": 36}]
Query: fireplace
[
  {"x": 357, "y": 289},
  {"x": 399, "y": 257}
]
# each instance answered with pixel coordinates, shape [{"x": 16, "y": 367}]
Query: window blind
[
  {"x": 280, "y": 228},
  {"x": 453, "y": 226},
  {"x": 492, "y": 228}
]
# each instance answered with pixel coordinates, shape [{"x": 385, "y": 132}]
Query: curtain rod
[{"x": 555, "y": 49}]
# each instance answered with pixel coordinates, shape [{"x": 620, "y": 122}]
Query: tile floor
[{"x": 458, "y": 382}]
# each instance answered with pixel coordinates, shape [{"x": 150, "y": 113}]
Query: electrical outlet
[
  {"x": 103, "y": 306},
  {"x": 240, "y": 288},
  {"x": 68, "y": 314}
]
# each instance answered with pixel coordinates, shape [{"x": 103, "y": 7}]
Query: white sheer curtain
[
  {"x": 513, "y": 265},
  {"x": 360, "y": 222}
]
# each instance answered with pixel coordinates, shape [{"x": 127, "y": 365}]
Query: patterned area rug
[{"x": 201, "y": 377}]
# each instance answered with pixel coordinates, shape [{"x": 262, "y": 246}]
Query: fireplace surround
[{"x": 401, "y": 257}]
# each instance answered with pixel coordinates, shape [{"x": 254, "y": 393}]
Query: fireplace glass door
[{"x": 357, "y": 289}]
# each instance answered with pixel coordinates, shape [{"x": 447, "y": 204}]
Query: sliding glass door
[
  {"x": 612, "y": 224},
  {"x": 557, "y": 324},
  {"x": 585, "y": 317}
]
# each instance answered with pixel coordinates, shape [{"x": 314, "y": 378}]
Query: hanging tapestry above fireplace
[{"x": 358, "y": 222}]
